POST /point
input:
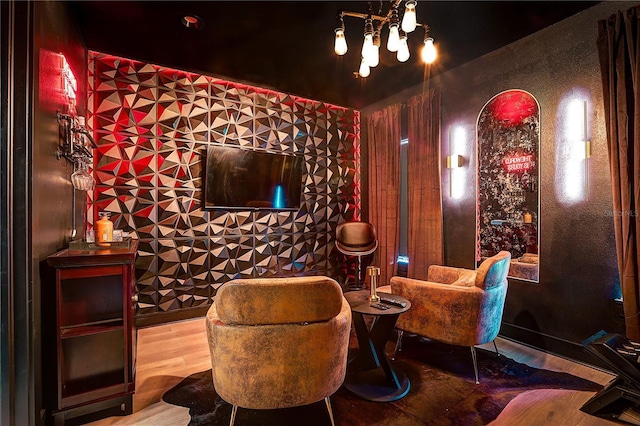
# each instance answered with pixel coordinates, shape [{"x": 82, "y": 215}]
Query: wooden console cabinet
[{"x": 96, "y": 334}]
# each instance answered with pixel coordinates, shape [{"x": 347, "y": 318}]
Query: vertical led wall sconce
[
  {"x": 587, "y": 153},
  {"x": 572, "y": 150},
  {"x": 454, "y": 161}
]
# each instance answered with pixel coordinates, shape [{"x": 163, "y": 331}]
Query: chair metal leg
[
  {"x": 496, "y": 348},
  {"x": 326, "y": 401},
  {"x": 234, "y": 410},
  {"x": 475, "y": 363},
  {"x": 398, "y": 347}
]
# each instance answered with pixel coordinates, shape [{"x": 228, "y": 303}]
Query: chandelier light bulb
[
  {"x": 340, "y": 46},
  {"x": 409, "y": 19},
  {"x": 393, "y": 42},
  {"x": 374, "y": 56},
  {"x": 403, "y": 49},
  {"x": 367, "y": 48},
  {"x": 429, "y": 52},
  {"x": 364, "y": 70}
]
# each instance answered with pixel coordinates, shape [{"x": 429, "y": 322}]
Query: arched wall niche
[{"x": 508, "y": 144}]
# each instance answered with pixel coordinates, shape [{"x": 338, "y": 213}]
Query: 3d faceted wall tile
[{"x": 152, "y": 126}]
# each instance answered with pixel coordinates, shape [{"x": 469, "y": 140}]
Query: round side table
[{"x": 370, "y": 375}]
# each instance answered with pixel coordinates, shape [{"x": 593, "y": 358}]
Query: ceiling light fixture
[{"x": 397, "y": 38}]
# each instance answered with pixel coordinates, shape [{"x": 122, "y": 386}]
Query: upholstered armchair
[
  {"x": 456, "y": 306},
  {"x": 278, "y": 342}
]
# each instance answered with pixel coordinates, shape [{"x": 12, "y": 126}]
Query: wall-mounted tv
[{"x": 237, "y": 178}]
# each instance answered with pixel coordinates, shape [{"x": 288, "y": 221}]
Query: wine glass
[{"x": 81, "y": 179}]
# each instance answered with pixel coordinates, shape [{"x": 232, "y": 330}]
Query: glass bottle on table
[{"x": 104, "y": 230}]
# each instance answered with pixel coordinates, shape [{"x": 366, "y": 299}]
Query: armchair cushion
[
  {"x": 449, "y": 275},
  {"x": 267, "y": 301},
  {"x": 529, "y": 258}
]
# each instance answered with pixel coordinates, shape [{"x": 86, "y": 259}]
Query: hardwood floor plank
[
  {"x": 158, "y": 414},
  {"x": 169, "y": 353},
  {"x": 539, "y": 359},
  {"x": 549, "y": 407}
]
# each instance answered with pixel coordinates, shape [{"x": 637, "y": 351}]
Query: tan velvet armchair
[
  {"x": 456, "y": 306},
  {"x": 278, "y": 342}
]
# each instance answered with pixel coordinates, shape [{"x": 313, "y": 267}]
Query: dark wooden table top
[{"x": 359, "y": 302}]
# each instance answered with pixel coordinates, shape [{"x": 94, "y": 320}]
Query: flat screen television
[{"x": 237, "y": 178}]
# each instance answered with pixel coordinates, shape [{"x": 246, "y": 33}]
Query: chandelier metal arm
[
  {"x": 371, "y": 15},
  {"x": 365, "y": 16},
  {"x": 380, "y": 18}
]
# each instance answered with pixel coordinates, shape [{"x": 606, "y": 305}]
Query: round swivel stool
[{"x": 356, "y": 239}]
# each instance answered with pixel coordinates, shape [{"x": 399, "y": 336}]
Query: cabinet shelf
[
  {"x": 87, "y": 300},
  {"x": 78, "y": 387},
  {"x": 91, "y": 328}
]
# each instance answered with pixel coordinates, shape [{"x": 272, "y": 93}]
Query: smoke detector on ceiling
[{"x": 193, "y": 22}]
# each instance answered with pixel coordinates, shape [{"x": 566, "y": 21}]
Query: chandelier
[{"x": 396, "y": 41}]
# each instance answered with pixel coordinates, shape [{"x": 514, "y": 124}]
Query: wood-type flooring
[{"x": 171, "y": 352}]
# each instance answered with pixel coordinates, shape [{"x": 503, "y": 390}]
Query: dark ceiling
[{"x": 288, "y": 46}]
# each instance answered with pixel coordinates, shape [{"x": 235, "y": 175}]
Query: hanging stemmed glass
[{"x": 81, "y": 178}]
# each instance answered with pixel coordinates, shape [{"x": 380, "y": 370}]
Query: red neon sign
[
  {"x": 69, "y": 83},
  {"x": 518, "y": 163}
]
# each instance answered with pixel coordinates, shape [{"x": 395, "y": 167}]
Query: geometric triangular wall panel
[{"x": 152, "y": 125}]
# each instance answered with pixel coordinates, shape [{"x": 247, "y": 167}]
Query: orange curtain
[
  {"x": 424, "y": 195},
  {"x": 383, "y": 167},
  {"x": 619, "y": 52}
]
